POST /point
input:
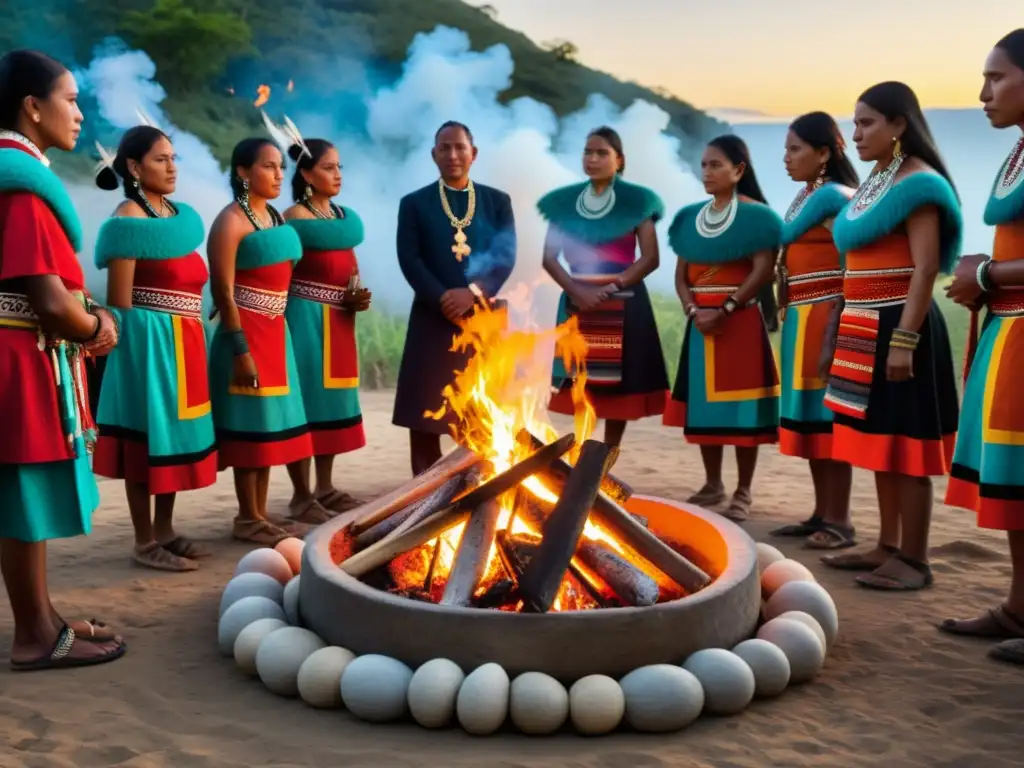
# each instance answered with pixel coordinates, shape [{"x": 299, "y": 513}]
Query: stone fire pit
[{"x": 566, "y": 645}]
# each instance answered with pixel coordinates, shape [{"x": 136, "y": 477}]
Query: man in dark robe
[{"x": 448, "y": 282}]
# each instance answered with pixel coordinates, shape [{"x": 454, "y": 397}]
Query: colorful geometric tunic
[
  {"x": 47, "y": 489},
  {"x": 727, "y": 388},
  {"x": 324, "y": 333},
  {"x": 904, "y": 427},
  {"x": 154, "y": 411},
  {"x": 626, "y": 376},
  {"x": 814, "y": 281},
  {"x": 988, "y": 465},
  {"x": 265, "y": 426}
]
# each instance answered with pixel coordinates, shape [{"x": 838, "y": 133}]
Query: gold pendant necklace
[{"x": 461, "y": 248}]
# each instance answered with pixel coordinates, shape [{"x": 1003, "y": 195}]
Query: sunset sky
[{"x": 780, "y": 57}]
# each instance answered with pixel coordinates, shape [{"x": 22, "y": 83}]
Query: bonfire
[{"x": 517, "y": 517}]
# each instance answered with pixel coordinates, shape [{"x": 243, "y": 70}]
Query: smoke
[{"x": 524, "y": 148}]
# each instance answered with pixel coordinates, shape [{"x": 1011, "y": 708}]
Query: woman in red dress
[{"x": 47, "y": 327}]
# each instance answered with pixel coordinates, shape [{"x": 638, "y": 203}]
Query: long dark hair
[
  {"x": 25, "y": 73},
  {"x": 737, "y": 151},
  {"x": 820, "y": 130},
  {"x": 303, "y": 162},
  {"x": 135, "y": 145},
  {"x": 611, "y": 136},
  {"x": 1013, "y": 44},
  {"x": 894, "y": 100},
  {"x": 244, "y": 155}
]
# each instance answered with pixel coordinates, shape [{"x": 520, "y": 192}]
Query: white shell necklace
[
  {"x": 593, "y": 206},
  {"x": 875, "y": 188},
  {"x": 1012, "y": 173},
  {"x": 712, "y": 223}
]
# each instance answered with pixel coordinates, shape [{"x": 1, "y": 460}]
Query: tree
[
  {"x": 563, "y": 50},
  {"x": 488, "y": 10},
  {"x": 189, "y": 46}
]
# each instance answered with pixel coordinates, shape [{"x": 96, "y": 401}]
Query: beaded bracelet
[
  {"x": 239, "y": 344},
  {"x": 905, "y": 339},
  {"x": 982, "y": 275}
]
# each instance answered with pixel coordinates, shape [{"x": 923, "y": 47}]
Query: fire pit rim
[{"x": 742, "y": 553}]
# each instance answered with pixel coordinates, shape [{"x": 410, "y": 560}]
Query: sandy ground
[{"x": 894, "y": 692}]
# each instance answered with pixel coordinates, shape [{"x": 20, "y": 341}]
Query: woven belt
[
  {"x": 815, "y": 286},
  {"x": 1007, "y": 302},
  {"x": 169, "y": 302},
  {"x": 321, "y": 293},
  {"x": 877, "y": 287},
  {"x": 269, "y": 303},
  {"x": 713, "y": 296},
  {"x": 16, "y": 312}
]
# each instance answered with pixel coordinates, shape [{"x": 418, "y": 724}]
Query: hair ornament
[{"x": 286, "y": 135}]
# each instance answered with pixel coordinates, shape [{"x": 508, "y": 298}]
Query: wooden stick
[
  {"x": 454, "y": 462},
  {"x": 472, "y": 555},
  {"x": 459, "y": 511},
  {"x": 629, "y": 584},
  {"x": 611, "y": 485},
  {"x": 400, "y": 522},
  {"x": 543, "y": 576}
]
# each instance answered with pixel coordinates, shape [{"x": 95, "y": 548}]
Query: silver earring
[
  {"x": 135, "y": 182},
  {"x": 309, "y": 192}
]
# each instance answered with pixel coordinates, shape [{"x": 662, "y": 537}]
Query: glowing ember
[{"x": 262, "y": 96}]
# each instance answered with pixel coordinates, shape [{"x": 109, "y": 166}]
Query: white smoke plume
[{"x": 524, "y": 148}]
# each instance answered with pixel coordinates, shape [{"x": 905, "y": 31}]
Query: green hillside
[{"x": 204, "y": 50}]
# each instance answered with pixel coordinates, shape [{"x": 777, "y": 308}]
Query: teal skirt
[
  {"x": 986, "y": 476},
  {"x": 805, "y": 423},
  {"x": 327, "y": 360},
  {"x": 266, "y": 426},
  {"x": 727, "y": 387},
  {"x": 154, "y": 413},
  {"x": 50, "y": 500}
]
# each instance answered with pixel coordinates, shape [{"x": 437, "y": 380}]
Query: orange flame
[
  {"x": 262, "y": 96},
  {"x": 505, "y": 389}
]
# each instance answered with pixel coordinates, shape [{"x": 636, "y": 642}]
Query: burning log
[
  {"x": 472, "y": 554},
  {"x": 542, "y": 578},
  {"x": 458, "y": 512},
  {"x": 399, "y": 522},
  {"x": 627, "y": 582},
  {"x": 407, "y": 494},
  {"x": 610, "y": 485},
  {"x": 634, "y": 535}
]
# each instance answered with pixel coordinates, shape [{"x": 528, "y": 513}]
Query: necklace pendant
[{"x": 461, "y": 248}]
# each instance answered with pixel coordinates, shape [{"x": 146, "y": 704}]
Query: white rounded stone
[
  {"x": 291, "y": 602},
  {"x": 267, "y": 561},
  {"x": 661, "y": 698},
  {"x": 251, "y": 585},
  {"x": 766, "y": 555},
  {"x": 432, "y": 692},
  {"x": 241, "y": 614},
  {"x": 248, "y": 642},
  {"x": 292, "y": 550},
  {"x": 727, "y": 680},
  {"x": 782, "y": 572},
  {"x": 375, "y": 687},
  {"x": 809, "y": 597},
  {"x": 281, "y": 655},
  {"x": 810, "y": 622},
  {"x": 319, "y": 678},
  {"x": 769, "y": 664},
  {"x": 482, "y": 703},
  {"x": 538, "y": 704},
  {"x": 596, "y": 705},
  {"x": 802, "y": 647}
]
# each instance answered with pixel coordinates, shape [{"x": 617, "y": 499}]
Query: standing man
[{"x": 456, "y": 246}]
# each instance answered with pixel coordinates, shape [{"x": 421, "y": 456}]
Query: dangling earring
[
  {"x": 308, "y": 193},
  {"x": 245, "y": 193},
  {"x": 818, "y": 182},
  {"x": 135, "y": 183},
  {"x": 36, "y": 118},
  {"x": 897, "y": 148}
]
